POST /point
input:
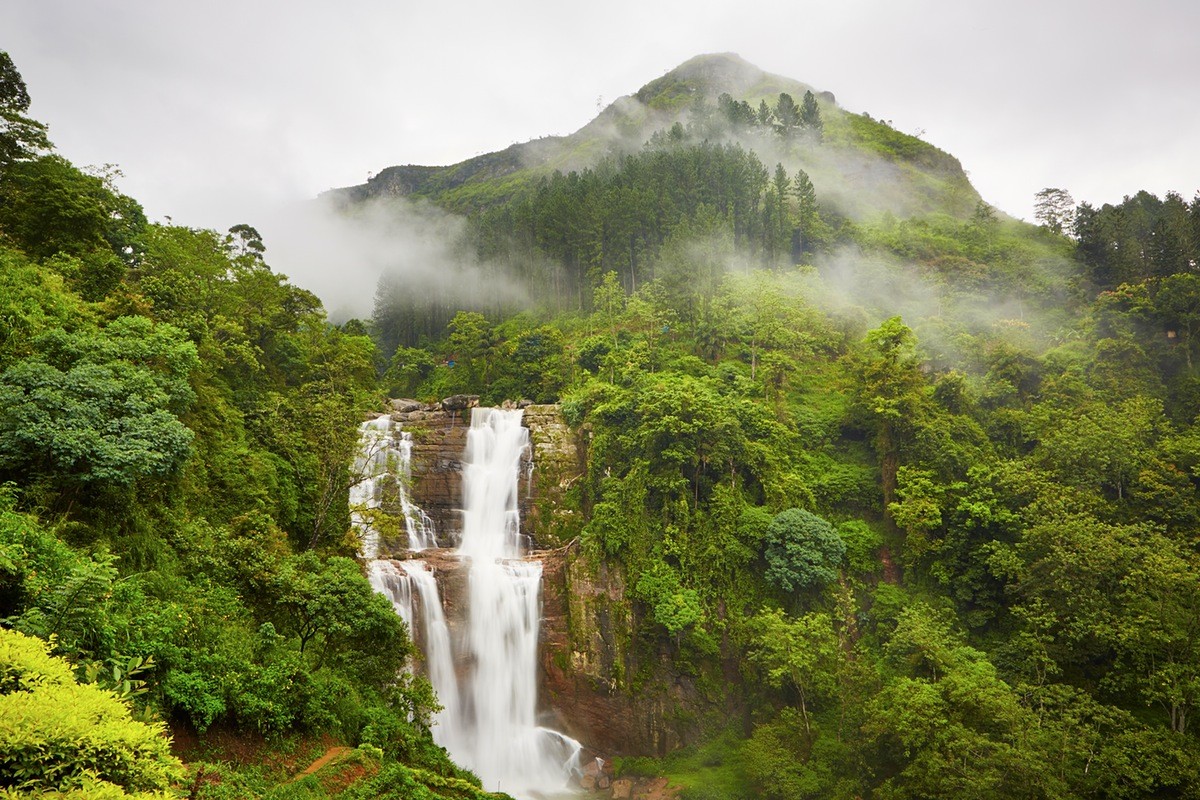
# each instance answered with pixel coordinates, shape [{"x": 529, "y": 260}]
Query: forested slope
[{"x": 923, "y": 483}]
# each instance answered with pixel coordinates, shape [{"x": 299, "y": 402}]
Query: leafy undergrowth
[
  {"x": 710, "y": 771},
  {"x": 359, "y": 774}
]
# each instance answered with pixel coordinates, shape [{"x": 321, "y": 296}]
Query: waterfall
[
  {"x": 388, "y": 579},
  {"x": 438, "y": 655},
  {"x": 500, "y": 739},
  {"x": 370, "y": 468},
  {"x": 385, "y": 454},
  {"x": 488, "y": 722}
]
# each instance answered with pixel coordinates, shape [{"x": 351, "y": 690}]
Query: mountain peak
[
  {"x": 709, "y": 75},
  {"x": 718, "y": 68}
]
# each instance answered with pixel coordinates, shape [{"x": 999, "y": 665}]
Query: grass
[{"x": 709, "y": 771}]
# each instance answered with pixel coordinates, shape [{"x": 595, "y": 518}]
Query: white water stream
[
  {"x": 385, "y": 453},
  {"x": 489, "y": 718}
]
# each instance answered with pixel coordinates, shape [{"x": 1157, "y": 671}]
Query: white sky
[{"x": 217, "y": 111}]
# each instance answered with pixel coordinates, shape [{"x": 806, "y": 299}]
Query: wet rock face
[
  {"x": 439, "y": 434},
  {"x": 588, "y": 665},
  {"x": 439, "y": 437},
  {"x": 546, "y": 514}
]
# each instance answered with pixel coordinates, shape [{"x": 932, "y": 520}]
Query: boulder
[
  {"x": 403, "y": 405},
  {"x": 460, "y": 402}
]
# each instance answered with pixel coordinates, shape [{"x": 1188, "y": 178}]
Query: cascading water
[
  {"x": 385, "y": 453},
  {"x": 489, "y": 718},
  {"x": 370, "y": 468},
  {"x": 439, "y": 656},
  {"x": 502, "y": 742},
  {"x": 394, "y": 584}
]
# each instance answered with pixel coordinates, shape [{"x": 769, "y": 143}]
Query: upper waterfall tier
[
  {"x": 496, "y": 457},
  {"x": 384, "y": 459}
]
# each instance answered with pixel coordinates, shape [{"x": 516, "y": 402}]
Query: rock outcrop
[
  {"x": 589, "y": 626},
  {"x": 547, "y": 515},
  {"x": 439, "y": 437}
]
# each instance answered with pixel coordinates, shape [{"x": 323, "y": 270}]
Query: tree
[
  {"x": 946, "y": 726},
  {"x": 780, "y": 225},
  {"x": 803, "y": 551},
  {"x": 471, "y": 344},
  {"x": 20, "y": 137},
  {"x": 99, "y": 408},
  {"x": 765, "y": 318},
  {"x": 764, "y": 113},
  {"x": 800, "y": 652},
  {"x": 57, "y": 735},
  {"x": 609, "y": 302},
  {"x": 787, "y": 115},
  {"x": 1177, "y": 303},
  {"x": 806, "y": 214},
  {"x": 1054, "y": 209},
  {"x": 1125, "y": 601},
  {"x": 889, "y": 394},
  {"x": 245, "y": 241},
  {"x": 330, "y": 606},
  {"x": 1102, "y": 446},
  {"x": 673, "y": 606},
  {"x": 810, "y": 116}
]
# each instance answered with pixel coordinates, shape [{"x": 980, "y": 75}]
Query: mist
[
  {"x": 341, "y": 252},
  {"x": 948, "y": 314}
]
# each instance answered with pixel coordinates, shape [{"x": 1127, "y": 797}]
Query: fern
[{"x": 74, "y": 612}]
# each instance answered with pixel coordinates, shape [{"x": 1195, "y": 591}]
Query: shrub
[
  {"x": 803, "y": 551},
  {"x": 55, "y": 734}
]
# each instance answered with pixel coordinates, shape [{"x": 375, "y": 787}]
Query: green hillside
[
  {"x": 919, "y": 176},
  {"x": 899, "y": 496}
]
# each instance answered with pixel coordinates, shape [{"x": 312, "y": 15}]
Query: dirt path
[{"x": 330, "y": 755}]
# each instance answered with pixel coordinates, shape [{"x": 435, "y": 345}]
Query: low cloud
[{"x": 341, "y": 253}]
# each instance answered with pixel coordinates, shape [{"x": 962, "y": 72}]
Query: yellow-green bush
[{"x": 56, "y": 734}]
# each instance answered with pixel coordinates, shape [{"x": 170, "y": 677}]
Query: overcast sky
[{"x": 217, "y": 111}]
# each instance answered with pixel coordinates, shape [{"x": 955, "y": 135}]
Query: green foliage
[
  {"x": 52, "y": 207},
  {"x": 20, "y": 136},
  {"x": 398, "y": 782},
  {"x": 1017, "y": 616},
  {"x": 797, "y": 653},
  {"x": 1143, "y": 236},
  {"x": 329, "y": 605},
  {"x": 862, "y": 542},
  {"x": 781, "y": 767},
  {"x": 673, "y": 607},
  {"x": 802, "y": 550},
  {"x": 99, "y": 407},
  {"x": 55, "y": 734}
]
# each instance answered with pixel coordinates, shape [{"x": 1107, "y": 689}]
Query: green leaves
[
  {"x": 674, "y": 607},
  {"x": 20, "y": 137},
  {"x": 97, "y": 407},
  {"x": 329, "y": 604},
  {"x": 55, "y": 734},
  {"x": 802, "y": 550}
]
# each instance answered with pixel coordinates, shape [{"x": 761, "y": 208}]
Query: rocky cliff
[{"x": 439, "y": 434}]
